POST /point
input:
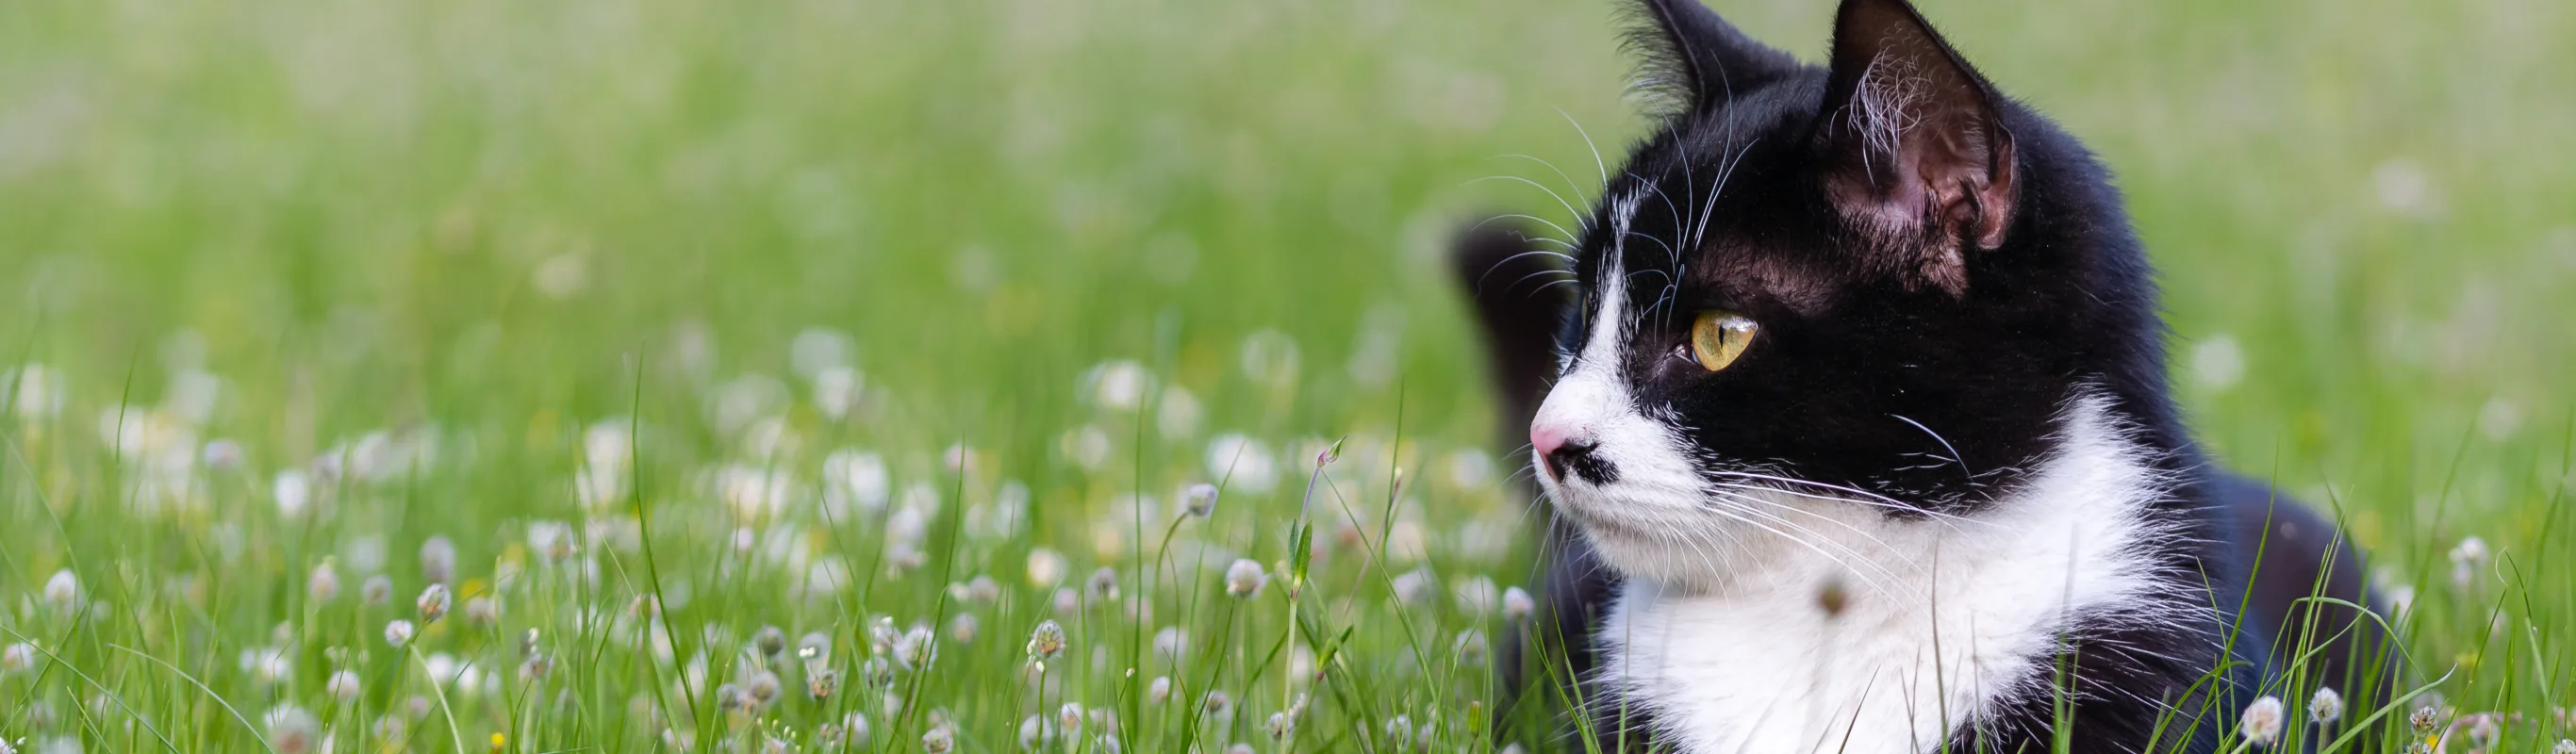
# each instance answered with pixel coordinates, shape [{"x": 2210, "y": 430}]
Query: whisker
[
  {"x": 1569, "y": 180},
  {"x": 1560, "y": 229},
  {"x": 1551, "y": 193}
]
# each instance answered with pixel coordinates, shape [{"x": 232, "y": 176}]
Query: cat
[{"x": 1848, "y": 401}]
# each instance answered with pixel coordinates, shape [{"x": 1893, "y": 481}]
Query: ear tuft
[
  {"x": 1689, "y": 59},
  {"x": 1917, "y": 156}
]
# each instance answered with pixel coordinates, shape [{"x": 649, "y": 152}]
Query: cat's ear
[
  {"x": 1690, "y": 59},
  {"x": 1915, "y": 150}
]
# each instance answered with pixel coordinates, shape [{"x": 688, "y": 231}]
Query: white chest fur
[{"x": 1941, "y": 619}]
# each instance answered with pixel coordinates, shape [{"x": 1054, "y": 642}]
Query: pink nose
[{"x": 1547, "y": 438}]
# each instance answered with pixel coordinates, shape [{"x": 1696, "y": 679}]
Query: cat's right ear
[{"x": 1691, "y": 60}]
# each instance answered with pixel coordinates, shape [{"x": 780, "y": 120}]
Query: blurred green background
[{"x": 484, "y": 213}]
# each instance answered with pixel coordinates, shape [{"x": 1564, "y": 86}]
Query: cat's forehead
[{"x": 1720, "y": 209}]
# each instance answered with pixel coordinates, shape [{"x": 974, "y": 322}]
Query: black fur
[{"x": 1874, "y": 371}]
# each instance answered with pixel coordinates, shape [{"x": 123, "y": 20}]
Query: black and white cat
[{"x": 1859, "y": 438}]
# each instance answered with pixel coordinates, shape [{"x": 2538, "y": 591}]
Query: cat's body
[{"x": 1859, "y": 439}]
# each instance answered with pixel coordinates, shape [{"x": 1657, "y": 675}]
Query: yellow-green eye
[{"x": 1719, "y": 336}]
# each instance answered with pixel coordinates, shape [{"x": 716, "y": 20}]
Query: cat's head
[{"x": 1877, "y": 281}]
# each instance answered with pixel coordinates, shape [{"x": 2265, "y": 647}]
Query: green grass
[{"x": 436, "y": 256}]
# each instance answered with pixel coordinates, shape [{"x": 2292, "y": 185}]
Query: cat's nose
[{"x": 1560, "y": 446}]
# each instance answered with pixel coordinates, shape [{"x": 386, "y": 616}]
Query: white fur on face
[
  {"x": 1944, "y": 617},
  {"x": 1657, "y": 492}
]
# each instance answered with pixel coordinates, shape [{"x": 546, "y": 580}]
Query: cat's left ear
[{"x": 1915, "y": 150}]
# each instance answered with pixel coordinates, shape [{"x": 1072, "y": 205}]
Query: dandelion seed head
[
  {"x": 1245, "y": 578},
  {"x": 1171, "y": 643},
  {"x": 1518, "y": 605},
  {"x": 17, "y": 658},
  {"x": 323, "y": 585},
  {"x": 536, "y": 668},
  {"x": 1476, "y": 596},
  {"x": 1046, "y": 641},
  {"x": 854, "y": 729},
  {"x": 291, "y": 730},
  {"x": 1199, "y": 500},
  {"x": 983, "y": 590},
  {"x": 1471, "y": 648},
  {"x": 432, "y": 604},
  {"x": 1413, "y": 587},
  {"x": 1119, "y": 385},
  {"x": 2326, "y": 706},
  {"x": 1243, "y": 463},
  {"x": 1104, "y": 584},
  {"x": 1046, "y": 567},
  {"x": 939, "y": 740},
  {"x": 483, "y": 611},
  {"x": 763, "y": 688},
  {"x": 878, "y": 672},
  {"x": 62, "y": 591},
  {"x": 916, "y": 648},
  {"x": 292, "y": 492},
  {"x": 2262, "y": 722},
  {"x": 438, "y": 560},
  {"x": 2424, "y": 718},
  {"x": 1036, "y": 732},
  {"x": 820, "y": 682}
]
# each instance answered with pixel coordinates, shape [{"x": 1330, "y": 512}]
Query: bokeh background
[{"x": 513, "y": 219}]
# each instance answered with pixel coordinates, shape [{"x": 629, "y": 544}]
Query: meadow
[{"x": 855, "y": 375}]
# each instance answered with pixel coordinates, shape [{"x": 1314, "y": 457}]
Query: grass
[{"x": 665, "y": 281}]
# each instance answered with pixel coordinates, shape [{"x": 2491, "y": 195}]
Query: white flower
[
  {"x": 17, "y": 658},
  {"x": 324, "y": 584},
  {"x": 1119, "y": 385},
  {"x": 1159, "y": 691},
  {"x": 267, "y": 665},
  {"x": 398, "y": 632},
  {"x": 2262, "y": 722},
  {"x": 1245, "y": 578},
  {"x": 1045, "y": 567},
  {"x": 438, "y": 560},
  {"x": 816, "y": 349},
  {"x": 2469, "y": 557},
  {"x": 2326, "y": 707},
  {"x": 291, "y": 730},
  {"x": 293, "y": 492},
  {"x": 1243, "y": 463},
  {"x": 1517, "y": 604},
  {"x": 1199, "y": 500},
  {"x": 837, "y": 391},
  {"x": 552, "y": 540},
  {"x": 433, "y": 603},
  {"x": 854, "y": 478},
  {"x": 754, "y": 493},
  {"x": 342, "y": 686},
  {"x": 1476, "y": 596},
  {"x": 63, "y": 590},
  {"x": 1047, "y": 640}
]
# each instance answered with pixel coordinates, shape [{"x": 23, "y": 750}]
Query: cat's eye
[{"x": 1719, "y": 336}]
